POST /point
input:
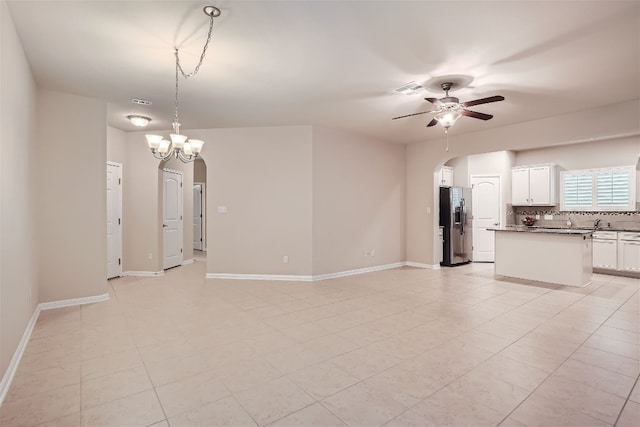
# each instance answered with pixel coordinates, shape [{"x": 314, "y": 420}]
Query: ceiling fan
[{"x": 449, "y": 109}]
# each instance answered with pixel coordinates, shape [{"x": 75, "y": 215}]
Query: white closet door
[
  {"x": 486, "y": 214},
  {"x": 114, "y": 220},
  {"x": 172, "y": 218}
]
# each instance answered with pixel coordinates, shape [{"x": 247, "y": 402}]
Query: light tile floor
[{"x": 403, "y": 347}]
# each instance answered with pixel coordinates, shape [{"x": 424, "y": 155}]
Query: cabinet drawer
[
  {"x": 625, "y": 235},
  {"x": 609, "y": 235}
]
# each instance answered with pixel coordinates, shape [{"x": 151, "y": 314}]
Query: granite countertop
[{"x": 525, "y": 229}]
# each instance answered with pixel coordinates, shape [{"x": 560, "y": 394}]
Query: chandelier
[{"x": 178, "y": 145}]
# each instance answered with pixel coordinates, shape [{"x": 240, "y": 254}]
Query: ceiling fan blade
[
  {"x": 409, "y": 115},
  {"x": 433, "y": 122},
  {"x": 476, "y": 115},
  {"x": 434, "y": 101},
  {"x": 483, "y": 101}
]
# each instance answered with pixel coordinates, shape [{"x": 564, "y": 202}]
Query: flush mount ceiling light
[
  {"x": 139, "y": 121},
  {"x": 180, "y": 146}
]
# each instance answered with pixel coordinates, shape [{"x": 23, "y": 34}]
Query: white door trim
[{"x": 119, "y": 229}]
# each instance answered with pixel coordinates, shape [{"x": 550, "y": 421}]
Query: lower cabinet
[
  {"x": 629, "y": 252},
  {"x": 618, "y": 251}
]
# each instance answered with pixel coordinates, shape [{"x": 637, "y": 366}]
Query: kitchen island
[{"x": 560, "y": 256}]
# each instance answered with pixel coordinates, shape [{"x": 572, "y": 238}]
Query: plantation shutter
[
  {"x": 578, "y": 190},
  {"x": 613, "y": 188}
]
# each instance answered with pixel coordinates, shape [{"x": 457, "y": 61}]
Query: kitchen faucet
[
  {"x": 569, "y": 223},
  {"x": 596, "y": 224}
]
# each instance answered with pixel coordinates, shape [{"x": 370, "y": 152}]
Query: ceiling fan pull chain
[
  {"x": 212, "y": 12},
  {"x": 446, "y": 132}
]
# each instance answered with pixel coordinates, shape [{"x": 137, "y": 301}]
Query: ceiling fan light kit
[
  {"x": 449, "y": 108},
  {"x": 180, "y": 146}
]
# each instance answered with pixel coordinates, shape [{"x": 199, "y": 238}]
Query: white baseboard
[
  {"x": 358, "y": 271},
  {"x": 72, "y": 302},
  {"x": 188, "y": 261},
  {"x": 421, "y": 265},
  {"x": 5, "y": 383},
  {"x": 17, "y": 356},
  {"x": 143, "y": 273},
  {"x": 285, "y": 277},
  {"x": 282, "y": 277}
]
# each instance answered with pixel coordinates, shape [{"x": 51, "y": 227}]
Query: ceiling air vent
[
  {"x": 411, "y": 88},
  {"x": 140, "y": 101}
]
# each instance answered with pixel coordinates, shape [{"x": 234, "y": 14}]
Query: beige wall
[
  {"x": 358, "y": 202},
  {"x": 141, "y": 244},
  {"x": 424, "y": 158},
  {"x": 18, "y": 171},
  {"x": 116, "y": 145},
  {"x": 263, "y": 177},
  {"x": 71, "y": 223}
]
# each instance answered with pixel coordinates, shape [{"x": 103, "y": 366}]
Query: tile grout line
[
  {"x": 567, "y": 358},
  {"x": 635, "y": 384}
]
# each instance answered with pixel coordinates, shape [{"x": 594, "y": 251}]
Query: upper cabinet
[
  {"x": 446, "y": 176},
  {"x": 533, "y": 185}
]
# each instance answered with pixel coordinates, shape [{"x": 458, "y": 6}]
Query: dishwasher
[
  {"x": 605, "y": 250},
  {"x": 629, "y": 251}
]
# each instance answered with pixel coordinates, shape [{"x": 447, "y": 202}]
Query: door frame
[
  {"x": 501, "y": 217},
  {"x": 203, "y": 207},
  {"x": 181, "y": 210},
  {"x": 118, "y": 165}
]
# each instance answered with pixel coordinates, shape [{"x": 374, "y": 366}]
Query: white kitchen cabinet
[
  {"x": 605, "y": 250},
  {"x": 534, "y": 185},
  {"x": 446, "y": 176},
  {"x": 629, "y": 252}
]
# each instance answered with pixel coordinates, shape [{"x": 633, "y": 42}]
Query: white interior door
[
  {"x": 487, "y": 200},
  {"x": 114, "y": 220},
  {"x": 197, "y": 217},
  {"x": 172, "y": 218}
]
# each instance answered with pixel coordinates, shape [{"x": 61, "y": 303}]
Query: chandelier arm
[
  {"x": 161, "y": 157},
  {"x": 186, "y": 159}
]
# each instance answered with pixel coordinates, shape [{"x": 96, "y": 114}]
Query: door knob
[{"x": 164, "y": 225}]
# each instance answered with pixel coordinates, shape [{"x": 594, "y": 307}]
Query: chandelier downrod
[{"x": 179, "y": 146}]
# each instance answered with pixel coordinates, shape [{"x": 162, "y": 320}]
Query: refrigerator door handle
[{"x": 463, "y": 216}]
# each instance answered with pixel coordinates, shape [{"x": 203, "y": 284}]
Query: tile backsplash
[{"x": 613, "y": 220}]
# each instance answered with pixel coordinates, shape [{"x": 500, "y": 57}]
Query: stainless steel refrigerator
[{"x": 455, "y": 217}]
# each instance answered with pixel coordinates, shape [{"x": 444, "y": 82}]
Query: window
[{"x": 611, "y": 189}]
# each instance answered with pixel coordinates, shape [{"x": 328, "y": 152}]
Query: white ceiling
[{"x": 335, "y": 63}]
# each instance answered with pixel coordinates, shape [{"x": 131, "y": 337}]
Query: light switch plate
[{"x": 222, "y": 209}]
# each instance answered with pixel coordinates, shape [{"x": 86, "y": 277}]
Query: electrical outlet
[
  {"x": 150, "y": 256},
  {"x": 285, "y": 259}
]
